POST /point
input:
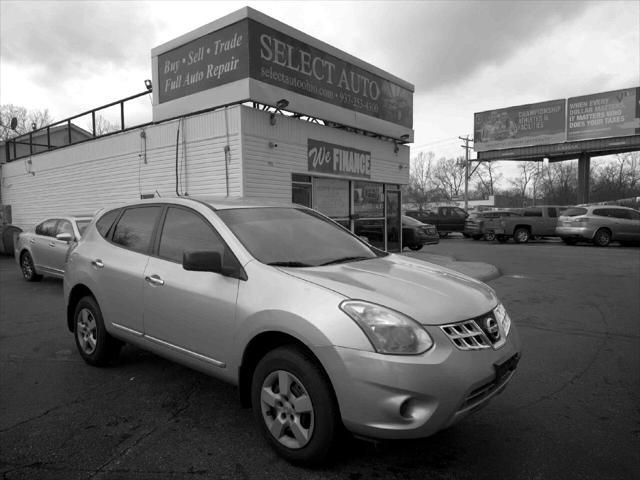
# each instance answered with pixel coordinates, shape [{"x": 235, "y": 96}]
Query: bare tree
[
  {"x": 421, "y": 180},
  {"x": 449, "y": 173},
  {"x": 528, "y": 173},
  {"x": 487, "y": 175},
  {"x": 104, "y": 126},
  {"x": 27, "y": 120},
  {"x": 618, "y": 178}
]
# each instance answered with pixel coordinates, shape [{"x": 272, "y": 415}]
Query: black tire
[
  {"x": 466, "y": 235},
  {"x": 476, "y": 237},
  {"x": 569, "y": 241},
  {"x": 602, "y": 238},
  {"x": 94, "y": 344},
  {"x": 443, "y": 234},
  {"x": 415, "y": 247},
  {"x": 28, "y": 268},
  {"x": 521, "y": 235},
  {"x": 502, "y": 238},
  {"x": 490, "y": 237},
  {"x": 320, "y": 423}
]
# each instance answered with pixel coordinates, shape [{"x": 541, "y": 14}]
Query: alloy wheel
[{"x": 86, "y": 331}]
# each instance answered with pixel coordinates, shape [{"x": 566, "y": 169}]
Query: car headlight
[
  {"x": 503, "y": 318},
  {"x": 388, "y": 331}
]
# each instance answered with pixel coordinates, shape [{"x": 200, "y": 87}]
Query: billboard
[
  {"x": 248, "y": 56},
  {"x": 601, "y": 115},
  {"x": 525, "y": 125}
]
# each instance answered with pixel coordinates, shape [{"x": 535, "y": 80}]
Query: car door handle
[
  {"x": 154, "y": 280},
  {"x": 52, "y": 244},
  {"x": 32, "y": 241},
  {"x": 97, "y": 263}
]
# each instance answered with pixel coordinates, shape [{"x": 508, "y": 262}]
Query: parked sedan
[
  {"x": 318, "y": 329},
  {"x": 415, "y": 234},
  {"x": 600, "y": 224},
  {"x": 43, "y": 250}
]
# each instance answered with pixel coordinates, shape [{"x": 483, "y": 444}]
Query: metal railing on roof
[{"x": 65, "y": 132}]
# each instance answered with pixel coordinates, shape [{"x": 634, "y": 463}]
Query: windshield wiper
[
  {"x": 345, "y": 259},
  {"x": 289, "y": 264}
]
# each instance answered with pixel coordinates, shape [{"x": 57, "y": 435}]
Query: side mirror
[
  {"x": 211, "y": 261},
  {"x": 65, "y": 237}
]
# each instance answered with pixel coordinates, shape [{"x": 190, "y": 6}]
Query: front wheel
[
  {"x": 415, "y": 247},
  {"x": 294, "y": 405},
  {"x": 521, "y": 235},
  {"x": 602, "y": 238},
  {"x": 490, "y": 236},
  {"x": 28, "y": 268},
  {"x": 95, "y": 345}
]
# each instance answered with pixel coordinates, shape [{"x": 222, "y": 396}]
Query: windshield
[
  {"x": 410, "y": 221},
  {"x": 294, "y": 237}
]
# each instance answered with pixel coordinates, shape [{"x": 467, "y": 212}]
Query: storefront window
[
  {"x": 372, "y": 230},
  {"x": 332, "y": 197},
  {"x": 368, "y": 200},
  {"x": 301, "y": 190}
]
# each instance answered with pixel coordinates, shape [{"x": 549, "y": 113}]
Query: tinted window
[
  {"x": 634, "y": 215},
  {"x": 47, "y": 228},
  {"x": 552, "y": 212},
  {"x": 601, "y": 212},
  {"x": 135, "y": 227},
  {"x": 186, "y": 230},
  {"x": 105, "y": 221},
  {"x": 458, "y": 212},
  {"x": 574, "y": 212},
  {"x": 620, "y": 213},
  {"x": 533, "y": 212},
  {"x": 411, "y": 221},
  {"x": 64, "y": 226}
]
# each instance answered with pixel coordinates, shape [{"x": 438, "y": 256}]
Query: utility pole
[{"x": 466, "y": 147}]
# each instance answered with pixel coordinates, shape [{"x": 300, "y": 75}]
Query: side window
[
  {"x": 47, "y": 228},
  {"x": 185, "y": 230},
  {"x": 552, "y": 212},
  {"x": 634, "y": 215},
  {"x": 601, "y": 212},
  {"x": 619, "y": 213},
  {"x": 64, "y": 226},
  {"x": 105, "y": 221},
  {"x": 135, "y": 228},
  {"x": 459, "y": 212},
  {"x": 533, "y": 212}
]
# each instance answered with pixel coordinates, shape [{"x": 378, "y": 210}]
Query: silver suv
[
  {"x": 600, "y": 224},
  {"x": 317, "y": 328}
]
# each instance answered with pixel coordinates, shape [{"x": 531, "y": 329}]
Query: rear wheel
[
  {"x": 476, "y": 237},
  {"x": 490, "y": 236},
  {"x": 28, "y": 268},
  {"x": 602, "y": 238},
  {"x": 294, "y": 405},
  {"x": 521, "y": 235},
  {"x": 94, "y": 344}
]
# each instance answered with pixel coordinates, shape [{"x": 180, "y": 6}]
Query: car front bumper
[{"x": 401, "y": 397}]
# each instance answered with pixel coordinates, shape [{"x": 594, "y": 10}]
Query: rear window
[{"x": 574, "y": 212}]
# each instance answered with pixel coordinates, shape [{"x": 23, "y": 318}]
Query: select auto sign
[{"x": 250, "y": 49}]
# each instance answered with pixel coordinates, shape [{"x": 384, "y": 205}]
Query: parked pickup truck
[
  {"x": 539, "y": 221},
  {"x": 445, "y": 219}
]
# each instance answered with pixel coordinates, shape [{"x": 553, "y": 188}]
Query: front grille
[{"x": 466, "y": 335}]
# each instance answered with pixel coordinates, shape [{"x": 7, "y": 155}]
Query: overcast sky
[{"x": 462, "y": 56}]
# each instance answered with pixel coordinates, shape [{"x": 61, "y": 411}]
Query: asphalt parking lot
[{"x": 571, "y": 411}]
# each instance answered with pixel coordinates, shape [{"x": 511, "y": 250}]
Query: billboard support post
[{"x": 584, "y": 164}]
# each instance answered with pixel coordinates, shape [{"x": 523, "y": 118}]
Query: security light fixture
[
  {"x": 282, "y": 104},
  {"x": 148, "y": 84},
  {"x": 404, "y": 137}
]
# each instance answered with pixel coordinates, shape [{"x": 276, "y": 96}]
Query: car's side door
[
  {"x": 41, "y": 244},
  {"x": 189, "y": 312},
  {"x": 119, "y": 265},
  {"x": 628, "y": 229}
]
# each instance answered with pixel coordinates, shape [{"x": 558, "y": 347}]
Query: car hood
[{"x": 428, "y": 293}]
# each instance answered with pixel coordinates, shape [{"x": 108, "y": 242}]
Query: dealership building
[{"x": 245, "y": 106}]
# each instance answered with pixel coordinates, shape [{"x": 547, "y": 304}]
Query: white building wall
[
  {"x": 85, "y": 177},
  {"x": 268, "y": 169}
]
